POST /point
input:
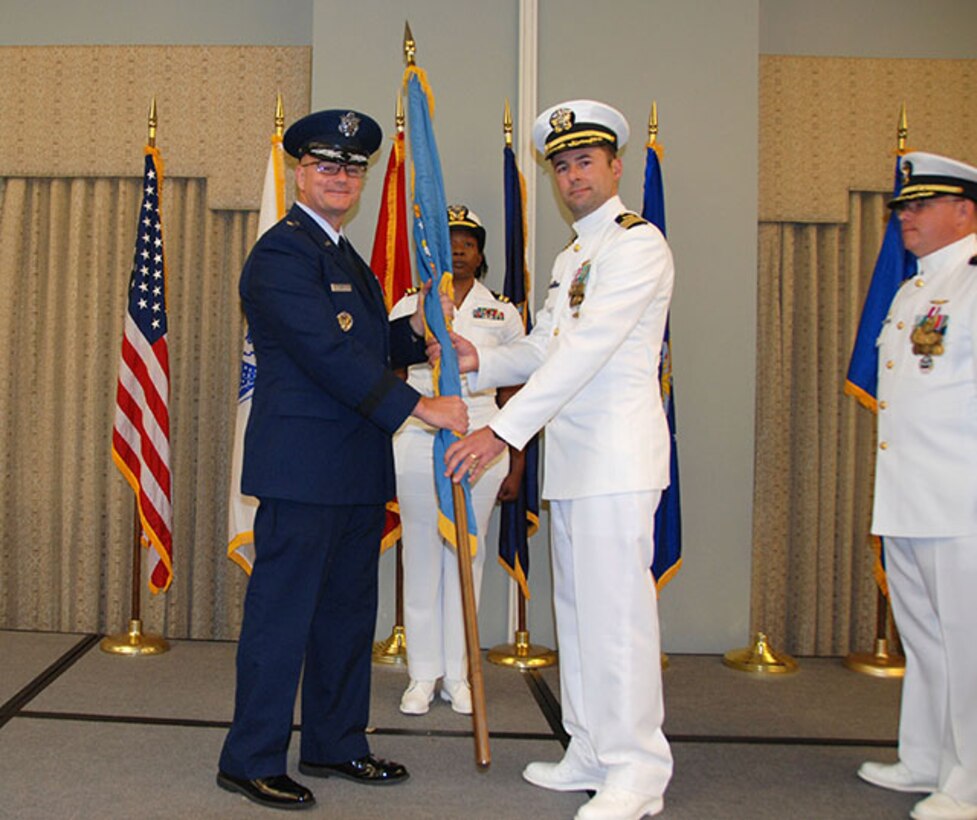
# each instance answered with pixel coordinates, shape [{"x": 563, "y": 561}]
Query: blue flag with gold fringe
[
  {"x": 668, "y": 517},
  {"x": 893, "y": 265},
  {"x": 519, "y": 519},
  {"x": 432, "y": 241}
]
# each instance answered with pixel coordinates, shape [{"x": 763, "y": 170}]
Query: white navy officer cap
[
  {"x": 928, "y": 175},
  {"x": 461, "y": 216},
  {"x": 579, "y": 124},
  {"x": 336, "y": 135}
]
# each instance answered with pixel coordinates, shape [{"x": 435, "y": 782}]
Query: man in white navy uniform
[
  {"x": 591, "y": 372},
  {"x": 926, "y": 488}
]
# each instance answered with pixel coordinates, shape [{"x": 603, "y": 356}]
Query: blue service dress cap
[{"x": 336, "y": 135}]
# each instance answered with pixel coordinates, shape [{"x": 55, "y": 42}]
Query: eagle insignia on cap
[
  {"x": 907, "y": 171},
  {"x": 562, "y": 120},
  {"x": 457, "y": 213},
  {"x": 349, "y": 124}
]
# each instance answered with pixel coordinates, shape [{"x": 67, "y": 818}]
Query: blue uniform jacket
[{"x": 325, "y": 401}]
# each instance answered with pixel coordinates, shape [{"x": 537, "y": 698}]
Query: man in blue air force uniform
[
  {"x": 317, "y": 454},
  {"x": 925, "y": 502},
  {"x": 590, "y": 368}
]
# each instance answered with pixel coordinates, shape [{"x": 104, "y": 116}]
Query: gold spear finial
[
  {"x": 152, "y": 123},
  {"x": 399, "y": 117},
  {"x": 507, "y": 124},
  {"x": 410, "y": 47},
  {"x": 653, "y": 124},
  {"x": 903, "y": 132},
  {"x": 279, "y": 116}
]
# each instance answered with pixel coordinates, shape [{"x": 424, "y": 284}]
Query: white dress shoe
[
  {"x": 459, "y": 694},
  {"x": 612, "y": 803},
  {"x": 940, "y": 806},
  {"x": 417, "y": 697},
  {"x": 896, "y": 776},
  {"x": 561, "y": 777}
]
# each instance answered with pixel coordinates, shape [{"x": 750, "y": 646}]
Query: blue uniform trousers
[{"x": 312, "y": 597}]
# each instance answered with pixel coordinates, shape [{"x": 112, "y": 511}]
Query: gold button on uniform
[
  {"x": 556, "y": 331},
  {"x": 576, "y": 247},
  {"x": 901, "y": 325},
  {"x": 919, "y": 283},
  {"x": 889, "y": 364},
  {"x": 883, "y": 445},
  {"x": 883, "y": 405}
]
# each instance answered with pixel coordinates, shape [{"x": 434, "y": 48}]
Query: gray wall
[{"x": 699, "y": 61}]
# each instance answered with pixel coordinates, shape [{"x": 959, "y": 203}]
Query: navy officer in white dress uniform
[
  {"x": 925, "y": 503},
  {"x": 433, "y": 617},
  {"x": 590, "y": 368},
  {"x": 318, "y": 456}
]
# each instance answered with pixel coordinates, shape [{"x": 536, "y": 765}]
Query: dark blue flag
[
  {"x": 520, "y": 518},
  {"x": 668, "y": 517}
]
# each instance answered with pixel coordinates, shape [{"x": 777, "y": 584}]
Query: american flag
[{"x": 141, "y": 434}]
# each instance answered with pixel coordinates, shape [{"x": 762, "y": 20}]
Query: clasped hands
[{"x": 473, "y": 453}]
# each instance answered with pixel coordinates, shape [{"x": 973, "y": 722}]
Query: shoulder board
[
  {"x": 973, "y": 260},
  {"x": 412, "y": 291},
  {"x": 500, "y": 297},
  {"x": 628, "y": 220}
]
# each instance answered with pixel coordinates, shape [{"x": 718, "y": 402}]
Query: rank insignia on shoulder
[
  {"x": 501, "y": 297},
  {"x": 345, "y": 321},
  {"x": 490, "y": 313},
  {"x": 568, "y": 244},
  {"x": 292, "y": 223},
  {"x": 628, "y": 220},
  {"x": 411, "y": 291}
]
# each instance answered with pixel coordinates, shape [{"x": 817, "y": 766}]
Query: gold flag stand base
[
  {"x": 760, "y": 659},
  {"x": 522, "y": 654},
  {"x": 878, "y": 663},
  {"x": 134, "y": 642},
  {"x": 393, "y": 650}
]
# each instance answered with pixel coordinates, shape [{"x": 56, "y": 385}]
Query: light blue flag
[{"x": 432, "y": 241}]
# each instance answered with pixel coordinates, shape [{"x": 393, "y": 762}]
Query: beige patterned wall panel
[
  {"x": 829, "y": 125},
  {"x": 82, "y": 111}
]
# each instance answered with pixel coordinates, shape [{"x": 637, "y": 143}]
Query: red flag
[
  {"x": 391, "y": 247},
  {"x": 141, "y": 433},
  {"x": 390, "y": 263}
]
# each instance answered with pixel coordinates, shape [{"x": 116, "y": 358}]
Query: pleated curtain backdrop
[
  {"x": 66, "y": 514},
  {"x": 812, "y": 582}
]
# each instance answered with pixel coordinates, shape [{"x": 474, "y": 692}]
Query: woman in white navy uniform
[{"x": 432, "y": 593}]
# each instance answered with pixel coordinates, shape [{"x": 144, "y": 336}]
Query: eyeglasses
[
  {"x": 332, "y": 169},
  {"x": 914, "y": 206}
]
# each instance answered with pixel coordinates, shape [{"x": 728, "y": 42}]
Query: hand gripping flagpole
[
  {"x": 879, "y": 662},
  {"x": 135, "y": 642},
  {"x": 423, "y": 151}
]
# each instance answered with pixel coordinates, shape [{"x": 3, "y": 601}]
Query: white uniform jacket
[
  {"x": 485, "y": 320},
  {"x": 591, "y": 362},
  {"x": 926, "y": 461}
]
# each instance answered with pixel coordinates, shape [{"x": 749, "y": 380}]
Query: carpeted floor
[{"x": 84, "y": 734}]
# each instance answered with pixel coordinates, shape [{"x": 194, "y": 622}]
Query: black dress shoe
[
  {"x": 368, "y": 769},
  {"x": 276, "y": 792}
]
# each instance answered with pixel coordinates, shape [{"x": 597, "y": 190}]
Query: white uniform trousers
[
  {"x": 432, "y": 591},
  {"x": 607, "y": 629},
  {"x": 933, "y": 589}
]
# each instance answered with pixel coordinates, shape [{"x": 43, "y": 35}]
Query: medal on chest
[
  {"x": 578, "y": 287},
  {"x": 927, "y": 335}
]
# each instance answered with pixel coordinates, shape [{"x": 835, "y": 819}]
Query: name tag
[{"x": 341, "y": 287}]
